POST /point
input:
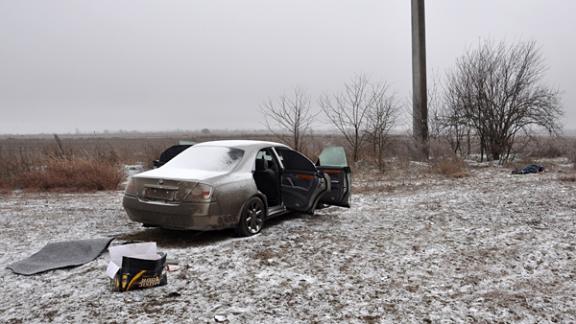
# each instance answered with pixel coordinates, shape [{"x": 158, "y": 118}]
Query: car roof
[{"x": 241, "y": 144}]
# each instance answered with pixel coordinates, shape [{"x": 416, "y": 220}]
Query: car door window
[
  {"x": 333, "y": 164},
  {"x": 295, "y": 161},
  {"x": 267, "y": 155}
]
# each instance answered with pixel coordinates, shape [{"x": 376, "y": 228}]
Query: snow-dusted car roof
[
  {"x": 250, "y": 149},
  {"x": 241, "y": 144}
]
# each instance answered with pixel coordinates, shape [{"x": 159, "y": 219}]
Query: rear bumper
[{"x": 184, "y": 216}]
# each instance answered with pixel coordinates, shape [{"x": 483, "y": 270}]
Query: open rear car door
[
  {"x": 332, "y": 162},
  {"x": 301, "y": 182}
]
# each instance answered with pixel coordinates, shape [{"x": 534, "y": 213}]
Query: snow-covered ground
[{"x": 426, "y": 249}]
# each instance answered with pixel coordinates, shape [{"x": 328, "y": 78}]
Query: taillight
[
  {"x": 131, "y": 188},
  {"x": 199, "y": 193}
]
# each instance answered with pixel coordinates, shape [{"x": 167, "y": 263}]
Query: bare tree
[
  {"x": 290, "y": 117},
  {"x": 348, "y": 111},
  {"x": 497, "y": 91},
  {"x": 381, "y": 119},
  {"x": 452, "y": 123},
  {"x": 435, "y": 124}
]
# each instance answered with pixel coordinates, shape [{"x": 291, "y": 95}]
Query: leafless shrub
[
  {"x": 451, "y": 167},
  {"x": 404, "y": 154},
  {"x": 60, "y": 152},
  {"x": 104, "y": 154},
  {"x": 543, "y": 147},
  {"x": 497, "y": 92},
  {"x": 289, "y": 118},
  {"x": 72, "y": 175},
  {"x": 439, "y": 147},
  {"x": 13, "y": 163}
]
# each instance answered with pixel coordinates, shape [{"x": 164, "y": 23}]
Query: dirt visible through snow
[{"x": 489, "y": 247}]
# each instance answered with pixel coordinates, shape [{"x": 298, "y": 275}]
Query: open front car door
[
  {"x": 333, "y": 164},
  {"x": 301, "y": 182}
]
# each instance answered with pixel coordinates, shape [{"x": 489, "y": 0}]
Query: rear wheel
[{"x": 252, "y": 217}]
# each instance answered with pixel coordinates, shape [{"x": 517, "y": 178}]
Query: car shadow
[{"x": 177, "y": 239}]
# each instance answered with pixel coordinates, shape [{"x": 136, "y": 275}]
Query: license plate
[{"x": 159, "y": 194}]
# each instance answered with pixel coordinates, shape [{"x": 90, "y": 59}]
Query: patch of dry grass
[
  {"x": 568, "y": 178},
  {"x": 545, "y": 147},
  {"x": 451, "y": 167},
  {"x": 71, "y": 175}
]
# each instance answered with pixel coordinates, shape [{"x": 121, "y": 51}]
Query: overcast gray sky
[{"x": 165, "y": 65}]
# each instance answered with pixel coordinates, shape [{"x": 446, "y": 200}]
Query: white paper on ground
[
  {"x": 146, "y": 251},
  {"x": 112, "y": 269}
]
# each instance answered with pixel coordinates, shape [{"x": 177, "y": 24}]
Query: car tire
[{"x": 251, "y": 218}]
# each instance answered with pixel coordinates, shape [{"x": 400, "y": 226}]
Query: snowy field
[{"x": 489, "y": 247}]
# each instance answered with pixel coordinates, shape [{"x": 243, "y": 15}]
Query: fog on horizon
[{"x": 68, "y": 66}]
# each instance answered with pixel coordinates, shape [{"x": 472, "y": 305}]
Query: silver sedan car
[{"x": 236, "y": 184}]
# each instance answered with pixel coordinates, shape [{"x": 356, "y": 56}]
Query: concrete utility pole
[{"x": 420, "y": 95}]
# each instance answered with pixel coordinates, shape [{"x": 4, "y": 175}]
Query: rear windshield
[{"x": 207, "y": 158}]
